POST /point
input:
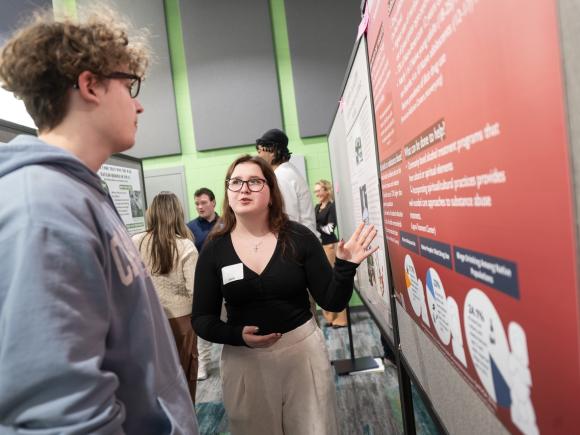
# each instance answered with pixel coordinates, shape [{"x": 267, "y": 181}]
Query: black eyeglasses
[
  {"x": 134, "y": 85},
  {"x": 254, "y": 184}
]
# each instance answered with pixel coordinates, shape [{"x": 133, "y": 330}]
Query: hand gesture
[
  {"x": 253, "y": 340},
  {"x": 359, "y": 245}
]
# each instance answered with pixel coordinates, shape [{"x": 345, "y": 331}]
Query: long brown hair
[
  {"x": 277, "y": 219},
  {"x": 165, "y": 224}
]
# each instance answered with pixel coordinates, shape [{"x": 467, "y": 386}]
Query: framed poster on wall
[{"x": 123, "y": 176}]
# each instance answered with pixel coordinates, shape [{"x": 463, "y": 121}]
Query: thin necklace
[
  {"x": 259, "y": 242},
  {"x": 257, "y": 245}
]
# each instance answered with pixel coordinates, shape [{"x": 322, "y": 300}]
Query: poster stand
[
  {"x": 352, "y": 364},
  {"x": 406, "y": 377}
]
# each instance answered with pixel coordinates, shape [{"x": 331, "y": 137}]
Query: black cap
[{"x": 273, "y": 137}]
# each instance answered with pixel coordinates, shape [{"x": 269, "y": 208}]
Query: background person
[
  {"x": 84, "y": 344},
  {"x": 200, "y": 227},
  {"x": 206, "y": 216},
  {"x": 326, "y": 226},
  {"x": 170, "y": 256},
  {"x": 276, "y": 374},
  {"x": 272, "y": 146}
]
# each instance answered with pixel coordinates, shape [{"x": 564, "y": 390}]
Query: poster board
[
  {"x": 123, "y": 176},
  {"x": 341, "y": 176},
  {"x": 473, "y": 149},
  {"x": 359, "y": 146}
]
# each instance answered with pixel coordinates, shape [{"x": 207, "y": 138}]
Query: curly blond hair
[{"x": 42, "y": 61}]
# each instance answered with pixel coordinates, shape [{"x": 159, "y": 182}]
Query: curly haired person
[{"x": 84, "y": 343}]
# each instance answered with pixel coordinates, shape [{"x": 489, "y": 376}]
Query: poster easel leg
[{"x": 352, "y": 364}]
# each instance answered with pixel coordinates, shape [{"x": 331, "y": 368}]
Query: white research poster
[
  {"x": 357, "y": 111},
  {"x": 125, "y": 188}
]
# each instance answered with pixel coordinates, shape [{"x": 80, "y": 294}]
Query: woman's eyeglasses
[{"x": 254, "y": 184}]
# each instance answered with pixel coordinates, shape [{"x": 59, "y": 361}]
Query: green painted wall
[
  {"x": 64, "y": 7},
  {"x": 208, "y": 168}
]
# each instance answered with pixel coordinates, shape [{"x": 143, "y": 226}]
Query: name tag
[{"x": 232, "y": 273}]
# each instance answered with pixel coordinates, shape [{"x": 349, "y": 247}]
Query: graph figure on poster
[
  {"x": 415, "y": 290},
  {"x": 358, "y": 150},
  {"x": 504, "y": 373},
  {"x": 364, "y": 203},
  {"x": 445, "y": 315},
  {"x": 437, "y": 302},
  {"x": 381, "y": 288},
  {"x": 522, "y": 410},
  {"x": 456, "y": 334},
  {"x": 371, "y": 270},
  {"x": 376, "y": 273},
  {"x": 136, "y": 199}
]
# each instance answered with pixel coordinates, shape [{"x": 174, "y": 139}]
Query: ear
[{"x": 89, "y": 87}]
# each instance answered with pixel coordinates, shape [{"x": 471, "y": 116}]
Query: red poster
[{"x": 471, "y": 129}]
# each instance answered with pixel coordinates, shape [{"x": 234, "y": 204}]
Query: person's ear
[{"x": 88, "y": 86}]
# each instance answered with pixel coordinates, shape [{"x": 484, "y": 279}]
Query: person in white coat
[{"x": 272, "y": 146}]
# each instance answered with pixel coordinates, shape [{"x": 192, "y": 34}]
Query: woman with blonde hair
[
  {"x": 326, "y": 225},
  {"x": 168, "y": 251},
  {"x": 276, "y": 374}
]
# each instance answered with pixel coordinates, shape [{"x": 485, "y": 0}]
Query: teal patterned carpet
[{"x": 368, "y": 403}]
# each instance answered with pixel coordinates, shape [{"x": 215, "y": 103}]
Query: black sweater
[
  {"x": 277, "y": 299},
  {"x": 324, "y": 217}
]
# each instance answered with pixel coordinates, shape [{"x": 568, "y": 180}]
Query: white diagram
[
  {"x": 415, "y": 290},
  {"x": 504, "y": 373}
]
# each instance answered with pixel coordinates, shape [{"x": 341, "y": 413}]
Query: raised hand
[
  {"x": 253, "y": 340},
  {"x": 358, "y": 246}
]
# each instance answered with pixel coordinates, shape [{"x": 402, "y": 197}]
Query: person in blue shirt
[
  {"x": 200, "y": 227},
  {"x": 207, "y": 217}
]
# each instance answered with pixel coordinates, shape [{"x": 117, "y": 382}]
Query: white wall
[{"x": 13, "y": 110}]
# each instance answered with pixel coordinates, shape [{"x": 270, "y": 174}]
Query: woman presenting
[{"x": 276, "y": 374}]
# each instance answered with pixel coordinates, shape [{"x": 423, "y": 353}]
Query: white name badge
[{"x": 232, "y": 273}]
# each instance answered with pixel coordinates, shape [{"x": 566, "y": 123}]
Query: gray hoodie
[{"x": 84, "y": 344}]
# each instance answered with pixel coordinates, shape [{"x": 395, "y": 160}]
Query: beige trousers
[
  {"x": 286, "y": 389},
  {"x": 334, "y": 319}
]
